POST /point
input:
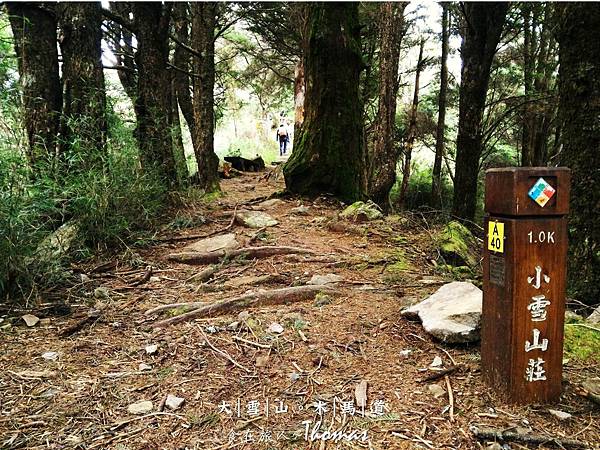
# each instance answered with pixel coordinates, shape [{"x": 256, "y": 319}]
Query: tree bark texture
[
  {"x": 83, "y": 122},
  {"x": 328, "y": 150},
  {"x": 203, "y": 41},
  {"x": 182, "y": 60},
  {"x": 382, "y": 166},
  {"x": 579, "y": 113},
  {"x": 124, "y": 52},
  {"x": 154, "y": 83},
  {"x": 440, "y": 144},
  {"x": 411, "y": 131},
  {"x": 481, "y": 30},
  {"x": 539, "y": 63},
  {"x": 299, "y": 94},
  {"x": 34, "y": 28}
]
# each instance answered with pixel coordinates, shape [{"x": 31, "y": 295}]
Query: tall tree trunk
[
  {"x": 182, "y": 60},
  {"x": 481, "y": 32},
  {"x": 579, "y": 110},
  {"x": 183, "y": 175},
  {"x": 328, "y": 151},
  {"x": 299, "y": 93},
  {"x": 436, "y": 182},
  {"x": 411, "y": 131},
  {"x": 203, "y": 41},
  {"x": 529, "y": 26},
  {"x": 34, "y": 29},
  {"x": 152, "y": 103},
  {"x": 124, "y": 52},
  {"x": 382, "y": 165},
  {"x": 83, "y": 122}
]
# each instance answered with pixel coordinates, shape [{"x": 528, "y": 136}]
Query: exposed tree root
[
  {"x": 494, "y": 434},
  {"x": 253, "y": 299},
  {"x": 249, "y": 252}
]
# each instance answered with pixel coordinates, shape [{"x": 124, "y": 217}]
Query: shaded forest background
[{"x": 108, "y": 113}]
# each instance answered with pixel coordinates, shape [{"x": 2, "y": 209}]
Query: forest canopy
[{"x": 112, "y": 114}]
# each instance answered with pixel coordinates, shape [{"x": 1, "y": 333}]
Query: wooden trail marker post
[{"x": 524, "y": 276}]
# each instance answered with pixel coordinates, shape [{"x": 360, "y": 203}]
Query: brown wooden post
[{"x": 524, "y": 273}]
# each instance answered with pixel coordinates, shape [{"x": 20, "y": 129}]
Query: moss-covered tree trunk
[
  {"x": 579, "y": 114},
  {"x": 382, "y": 164},
  {"x": 182, "y": 59},
  {"x": 152, "y": 104},
  {"x": 34, "y": 28},
  {"x": 83, "y": 122},
  {"x": 481, "y": 30},
  {"x": 328, "y": 151},
  {"x": 203, "y": 42}
]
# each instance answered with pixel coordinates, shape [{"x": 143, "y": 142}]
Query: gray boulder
[
  {"x": 213, "y": 244},
  {"x": 594, "y": 318},
  {"x": 452, "y": 314}
]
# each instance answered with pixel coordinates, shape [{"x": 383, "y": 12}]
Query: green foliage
[
  {"x": 112, "y": 205},
  {"x": 419, "y": 188}
]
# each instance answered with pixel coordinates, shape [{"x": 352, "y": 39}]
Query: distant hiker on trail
[{"x": 283, "y": 137}]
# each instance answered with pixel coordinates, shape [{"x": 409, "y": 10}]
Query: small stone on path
[
  {"x": 151, "y": 349},
  {"x": 50, "y": 356},
  {"x": 141, "y": 407},
  {"x": 213, "y": 244},
  {"x": 436, "y": 390},
  {"x": 173, "y": 402},
  {"x": 560, "y": 415},
  {"x": 30, "y": 320},
  {"x": 255, "y": 219},
  {"x": 321, "y": 280},
  {"x": 275, "y": 328},
  {"x": 437, "y": 362}
]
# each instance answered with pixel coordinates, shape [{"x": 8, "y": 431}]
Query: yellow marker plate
[{"x": 496, "y": 237}]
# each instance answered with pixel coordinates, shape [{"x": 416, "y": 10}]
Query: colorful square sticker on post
[{"x": 541, "y": 192}]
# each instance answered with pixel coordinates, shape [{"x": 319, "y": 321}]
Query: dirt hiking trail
[{"x": 263, "y": 376}]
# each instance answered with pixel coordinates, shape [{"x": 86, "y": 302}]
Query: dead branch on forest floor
[
  {"x": 248, "y": 252},
  {"x": 253, "y": 299},
  {"x": 494, "y": 434}
]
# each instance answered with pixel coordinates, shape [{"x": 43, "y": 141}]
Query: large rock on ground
[
  {"x": 594, "y": 317},
  {"x": 458, "y": 246},
  {"x": 362, "y": 212},
  {"x": 452, "y": 314},
  {"x": 213, "y": 244},
  {"x": 255, "y": 219}
]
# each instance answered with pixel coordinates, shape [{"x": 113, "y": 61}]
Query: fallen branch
[
  {"x": 72, "y": 329},
  {"x": 450, "y": 398},
  {"x": 494, "y": 434},
  {"x": 222, "y": 353},
  {"x": 253, "y": 299},
  {"x": 203, "y": 276},
  {"x": 184, "y": 306},
  {"x": 144, "y": 278},
  {"x": 250, "y": 252},
  {"x": 201, "y": 236},
  {"x": 440, "y": 374},
  {"x": 589, "y": 389}
]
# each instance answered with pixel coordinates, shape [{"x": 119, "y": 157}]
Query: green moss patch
[
  {"x": 581, "y": 342},
  {"x": 458, "y": 246}
]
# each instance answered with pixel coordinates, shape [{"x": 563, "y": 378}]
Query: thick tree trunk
[
  {"x": 436, "y": 183},
  {"x": 203, "y": 31},
  {"x": 481, "y": 31},
  {"x": 34, "y": 29},
  {"x": 328, "y": 150},
  {"x": 382, "y": 167},
  {"x": 579, "y": 110},
  {"x": 152, "y": 103},
  {"x": 83, "y": 122},
  {"x": 411, "y": 131}
]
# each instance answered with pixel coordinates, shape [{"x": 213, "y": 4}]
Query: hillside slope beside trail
[{"x": 275, "y": 376}]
